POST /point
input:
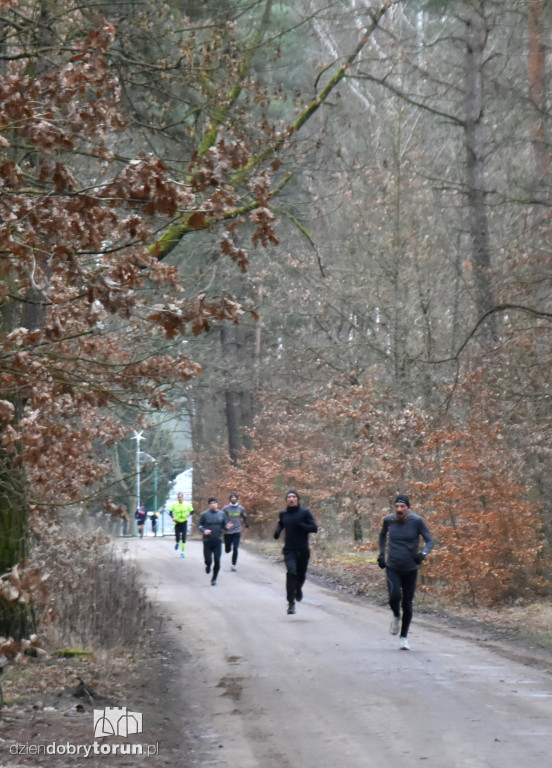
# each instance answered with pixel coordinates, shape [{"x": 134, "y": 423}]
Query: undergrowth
[{"x": 93, "y": 598}]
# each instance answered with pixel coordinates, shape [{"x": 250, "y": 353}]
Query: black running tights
[{"x": 402, "y": 587}]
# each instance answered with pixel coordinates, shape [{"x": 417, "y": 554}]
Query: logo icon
[{"x": 116, "y": 721}]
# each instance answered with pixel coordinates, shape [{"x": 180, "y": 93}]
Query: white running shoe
[
  {"x": 395, "y": 622},
  {"x": 233, "y": 568},
  {"x": 404, "y": 644}
]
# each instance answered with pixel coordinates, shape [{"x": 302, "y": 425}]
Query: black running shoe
[
  {"x": 291, "y": 608},
  {"x": 207, "y": 569},
  {"x": 298, "y": 594}
]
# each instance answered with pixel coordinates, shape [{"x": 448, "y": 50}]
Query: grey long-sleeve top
[
  {"x": 403, "y": 541},
  {"x": 214, "y": 521},
  {"x": 236, "y": 513}
]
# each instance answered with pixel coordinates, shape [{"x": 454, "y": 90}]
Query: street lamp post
[
  {"x": 138, "y": 437},
  {"x": 143, "y": 456},
  {"x": 155, "y": 497}
]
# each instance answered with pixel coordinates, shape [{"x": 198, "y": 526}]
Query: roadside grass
[
  {"x": 95, "y": 623},
  {"x": 91, "y": 598}
]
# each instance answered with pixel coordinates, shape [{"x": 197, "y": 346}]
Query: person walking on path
[
  {"x": 297, "y": 522},
  {"x": 400, "y": 532},
  {"x": 180, "y": 511},
  {"x": 212, "y": 523},
  {"x": 140, "y": 516},
  {"x": 236, "y": 513}
]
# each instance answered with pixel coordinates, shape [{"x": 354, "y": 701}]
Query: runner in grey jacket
[
  {"x": 212, "y": 524},
  {"x": 401, "y": 532},
  {"x": 236, "y": 513}
]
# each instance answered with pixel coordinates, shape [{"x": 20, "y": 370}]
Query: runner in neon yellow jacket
[{"x": 179, "y": 512}]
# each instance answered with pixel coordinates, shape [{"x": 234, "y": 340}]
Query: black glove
[
  {"x": 247, "y": 525},
  {"x": 419, "y": 557},
  {"x": 381, "y": 561}
]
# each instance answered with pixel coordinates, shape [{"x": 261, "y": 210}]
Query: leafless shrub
[{"x": 90, "y": 597}]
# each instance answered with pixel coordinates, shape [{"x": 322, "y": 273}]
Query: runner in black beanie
[{"x": 297, "y": 522}]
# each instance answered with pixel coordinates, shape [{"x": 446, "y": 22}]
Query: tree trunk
[
  {"x": 247, "y": 413},
  {"x": 358, "y": 533},
  {"x": 231, "y": 398},
  {"x": 232, "y": 408},
  {"x": 476, "y": 37},
  {"x": 240, "y": 355},
  {"x": 196, "y": 414},
  {"x": 537, "y": 94},
  {"x": 400, "y": 287},
  {"x": 16, "y": 619}
]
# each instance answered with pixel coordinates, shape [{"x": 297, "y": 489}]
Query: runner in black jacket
[{"x": 297, "y": 522}]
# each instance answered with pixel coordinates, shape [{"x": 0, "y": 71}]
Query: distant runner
[
  {"x": 141, "y": 516},
  {"x": 236, "y": 513}
]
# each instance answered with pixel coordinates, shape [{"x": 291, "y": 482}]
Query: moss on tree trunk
[{"x": 16, "y": 619}]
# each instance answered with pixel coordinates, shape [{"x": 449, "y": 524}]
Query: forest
[{"x": 296, "y": 244}]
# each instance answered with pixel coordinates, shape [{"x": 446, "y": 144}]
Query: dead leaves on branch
[
  {"x": 211, "y": 170},
  {"x": 264, "y": 220},
  {"x": 117, "y": 512},
  {"x": 74, "y": 107},
  {"x": 229, "y": 247},
  {"x": 144, "y": 182},
  {"x": 19, "y": 652},
  {"x": 194, "y": 315},
  {"x": 87, "y": 296},
  {"x": 159, "y": 370},
  {"x": 75, "y": 97},
  {"x": 20, "y": 585}
]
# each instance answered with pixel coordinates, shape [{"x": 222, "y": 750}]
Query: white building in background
[{"x": 181, "y": 484}]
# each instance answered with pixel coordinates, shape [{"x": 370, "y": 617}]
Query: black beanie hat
[
  {"x": 213, "y": 498},
  {"x": 233, "y": 495},
  {"x": 402, "y": 499},
  {"x": 292, "y": 491}
]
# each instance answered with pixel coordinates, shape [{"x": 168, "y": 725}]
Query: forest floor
[
  {"x": 50, "y": 701},
  {"x": 47, "y": 699}
]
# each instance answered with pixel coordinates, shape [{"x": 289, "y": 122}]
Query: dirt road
[{"x": 328, "y": 687}]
